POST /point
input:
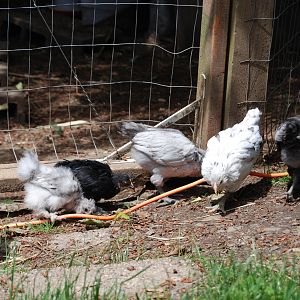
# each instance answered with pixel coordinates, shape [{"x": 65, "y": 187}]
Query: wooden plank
[
  {"x": 8, "y": 171},
  {"x": 212, "y": 63},
  {"x": 250, "y": 40}
]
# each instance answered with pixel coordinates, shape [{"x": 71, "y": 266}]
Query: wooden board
[
  {"x": 250, "y": 44},
  {"x": 212, "y": 64},
  {"x": 8, "y": 171}
]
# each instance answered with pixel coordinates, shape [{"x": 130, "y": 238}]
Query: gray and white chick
[
  {"x": 231, "y": 154},
  {"x": 164, "y": 152},
  {"x": 49, "y": 189},
  {"x": 287, "y": 138}
]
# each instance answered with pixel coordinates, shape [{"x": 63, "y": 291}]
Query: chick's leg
[
  {"x": 47, "y": 215},
  {"x": 291, "y": 194},
  {"x": 165, "y": 200},
  {"x": 158, "y": 181},
  {"x": 220, "y": 206}
]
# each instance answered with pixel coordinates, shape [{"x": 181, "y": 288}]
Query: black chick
[
  {"x": 287, "y": 138},
  {"x": 96, "y": 179}
]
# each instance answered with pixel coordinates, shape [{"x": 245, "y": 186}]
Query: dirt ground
[{"x": 258, "y": 220}]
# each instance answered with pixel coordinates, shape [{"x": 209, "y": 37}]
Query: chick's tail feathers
[
  {"x": 121, "y": 179},
  {"x": 130, "y": 129},
  {"x": 28, "y": 166},
  {"x": 252, "y": 117}
]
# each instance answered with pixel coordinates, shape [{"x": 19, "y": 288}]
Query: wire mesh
[
  {"x": 269, "y": 64},
  {"x": 283, "y": 92},
  {"x": 72, "y": 70}
]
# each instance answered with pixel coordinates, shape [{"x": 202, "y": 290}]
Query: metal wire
[{"x": 54, "y": 95}]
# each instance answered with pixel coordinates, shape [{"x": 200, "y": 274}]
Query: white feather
[
  {"x": 230, "y": 154},
  {"x": 165, "y": 153},
  {"x": 28, "y": 166},
  {"x": 49, "y": 189}
]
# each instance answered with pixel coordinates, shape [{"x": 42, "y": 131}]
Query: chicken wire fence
[
  {"x": 283, "y": 92},
  {"x": 73, "y": 69}
]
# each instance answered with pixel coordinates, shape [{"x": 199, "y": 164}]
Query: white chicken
[
  {"x": 230, "y": 156},
  {"x": 165, "y": 153},
  {"x": 49, "y": 189}
]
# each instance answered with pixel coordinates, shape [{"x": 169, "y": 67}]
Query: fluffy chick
[
  {"x": 287, "y": 138},
  {"x": 165, "y": 153},
  {"x": 96, "y": 179},
  {"x": 230, "y": 156},
  {"x": 50, "y": 189}
]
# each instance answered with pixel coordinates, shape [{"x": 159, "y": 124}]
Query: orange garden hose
[
  {"x": 269, "y": 175},
  {"x": 129, "y": 210}
]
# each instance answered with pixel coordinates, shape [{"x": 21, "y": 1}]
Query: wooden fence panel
[{"x": 212, "y": 63}]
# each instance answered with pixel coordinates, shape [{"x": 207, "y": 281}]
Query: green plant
[
  {"x": 252, "y": 279},
  {"x": 45, "y": 227},
  {"x": 121, "y": 215},
  {"x": 281, "y": 180},
  {"x": 58, "y": 129},
  {"x": 7, "y": 201}
]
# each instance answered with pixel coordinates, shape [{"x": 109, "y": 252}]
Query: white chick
[
  {"x": 230, "y": 156},
  {"x": 49, "y": 189},
  {"x": 165, "y": 153}
]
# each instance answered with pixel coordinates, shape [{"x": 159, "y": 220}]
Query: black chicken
[
  {"x": 96, "y": 179},
  {"x": 287, "y": 138}
]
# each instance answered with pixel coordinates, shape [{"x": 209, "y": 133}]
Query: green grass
[
  {"x": 7, "y": 201},
  {"x": 68, "y": 292},
  {"x": 222, "y": 278},
  {"x": 45, "y": 227},
  {"x": 252, "y": 279},
  {"x": 227, "y": 279},
  {"x": 118, "y": 249},
  {"x": 281, "y": 180}
]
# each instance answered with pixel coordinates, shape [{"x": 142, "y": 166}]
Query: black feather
[
  {"x": 96, "y": 179},
  {"x": 287, "y": 138}
]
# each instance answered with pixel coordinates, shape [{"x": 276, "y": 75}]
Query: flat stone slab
[{"x": 151, "y": 278}]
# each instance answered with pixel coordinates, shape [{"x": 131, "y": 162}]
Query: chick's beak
[{"x": 215, "y": 188}]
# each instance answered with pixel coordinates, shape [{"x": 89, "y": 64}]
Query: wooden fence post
[
  {"x": 212, "y": 62},
  {"x": 248, "y": 58}
]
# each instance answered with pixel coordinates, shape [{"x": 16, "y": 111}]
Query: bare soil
[{"x": 258, "y": 220}]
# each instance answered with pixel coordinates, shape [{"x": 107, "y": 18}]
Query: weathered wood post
[
  {"x": 235, "y": 60},
  {"x": 212, "y": 64},
  {"x": 248, "y": 57}
]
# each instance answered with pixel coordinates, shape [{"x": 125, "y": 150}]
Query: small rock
[
  {"x": 293, "y": 250},
  {"x": 233, "y": 229},
  {"x": 270, "y": 229},
  {"x": 211, "y": 218}
]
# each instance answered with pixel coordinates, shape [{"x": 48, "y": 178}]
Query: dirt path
[{"x": 257, "y": 221}]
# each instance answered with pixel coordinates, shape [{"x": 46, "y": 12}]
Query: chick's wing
[{"x": 165, "y": 147}]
